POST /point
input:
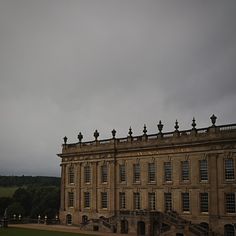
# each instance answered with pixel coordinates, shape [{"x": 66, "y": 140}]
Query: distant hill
[{"x": 19, "y": 181}]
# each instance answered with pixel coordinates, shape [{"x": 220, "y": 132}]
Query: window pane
[
  {"x": 152, "y": 201},
  {"x": 136, "y": 172},
  {"x": 185, "y": 170},
  {"x": 168, "y": 201},
  {"x": 87, "y": 199},
  {"x": 122, "y": 200},
  {"x": 70, "y": 199},
  {"x": 136, "y": 200},
  {"x": 204, "y": 202},
  {"x": 167, "y": 171},
  {"x": 71, "y": 175},
  {"x": 104, "y": 173},
  {"x": 104, "y": 200},
  {"x": 229, "y": 169},
  {"x": 122, "y": 173},
  {"x": 151, "y": 172},
  {"x": 230, "y": 202},
  {"x": 203, "y": 170},
  {"x": 185, "y": 201},
  {"x": 87, "y": 174}
]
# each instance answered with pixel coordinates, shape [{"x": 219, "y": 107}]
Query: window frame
[
  {"x": 167, "y": 171},
  {"x": 151, "y": 172},
  {"x": 136, "y": 173},
  {"x": 87, "y": 199},
  {"x": 203, "y": 170},
  {"x": 204, "y": 200}
]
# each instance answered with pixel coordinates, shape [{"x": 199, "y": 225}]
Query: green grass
[
  {"x": 7, "y": 191},
  {"x": 34, "y": 232}
]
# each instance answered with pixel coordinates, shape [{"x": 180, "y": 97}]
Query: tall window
[
  {"x": 168, "y": 201},
  {"x": 230, "y": 202},
  {"x": 70, "y": 199},
  {"x": 122, "y": 200},
  {"x": 185, "y": 170},
  {"x": 185, "y": 202},
  {"x": 136, "y": 172},
  {"x": 136, "y": 200},
  {"x": 152, "y": 201},
  {"x": 204, "y": 202},
  {"x": 87, "y": 199},
  {"x": 104, "y": 200},
  {"x": 151, "y": 172},
  {"x": 71, "y": 175},
  {"x": 167, "y": 171},
  {"x": 87, "y": 174},
  {"x": 203, "y": 170},
  {"x": 122, "y": 173},
  {"x": 104, "y": 173},
  {"x": 229, "y": 230},
  {"x": 229, "y": 169}
]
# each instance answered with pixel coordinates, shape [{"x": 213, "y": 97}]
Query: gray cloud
[{"x": 70, "y": 66}]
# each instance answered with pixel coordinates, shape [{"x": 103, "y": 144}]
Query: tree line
[
  {"x": 9, "y": 181},
  {"x": 32, "y": 199}
]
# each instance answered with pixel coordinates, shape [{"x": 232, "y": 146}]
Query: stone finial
[
  {"x": 193, "y": 123},
  {"x": 160, "y": 127},
  {"x": 96, "y": 134},
  {"x": 113, "y": 133},
  {"x": 176, "y": 125},
  {"x": 144, "y": 130},
  {"x": 80, "y": 137},
  {"x": 65, "y": 140},
  {"x": 130, "y": 131},
  {"x": 213, "y": 120}
]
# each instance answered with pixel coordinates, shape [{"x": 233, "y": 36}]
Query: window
[
  {"x": 230, "y": 202},
  {"x": 70, "y": 199},
  {"x": 122, "y": 200},
  {"x": 122, "y": 173},
  {"x": 167, "y": 171},
  {"x": 203, "y": 170},
  {"x": 229, "y": 230},
  {"x": 168, "y": 201},
  {"x": 136, "y": 200},
  {"x": 87, "y": 174},
  {"x": 104, "y": 173},
  {"x": 71, "y": 175},
  {"x": 104, "y": 200},
  {"x": 185, "y": 202},
  {"x": 152, "y": 201},
  {"x": 136, "y": 172},
  {"x": 185, "y": 170},
  {"x": 204, "y": 202},
  {"x": 87, "y": 199},
  {"x": 151, "y": 172},
  {"x": 229, "y": 169}
]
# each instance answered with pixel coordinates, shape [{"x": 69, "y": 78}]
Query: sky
[{"x": 70, "y": 66}]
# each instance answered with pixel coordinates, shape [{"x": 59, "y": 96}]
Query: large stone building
[{"x": 175, "y": 183}]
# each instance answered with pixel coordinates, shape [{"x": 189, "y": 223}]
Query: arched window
[
  {"x": 71, "y": 175},
  {"x": 229, "y": 230},
  {"x": 69, "y": 219}
]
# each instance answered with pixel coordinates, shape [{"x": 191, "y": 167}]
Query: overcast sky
[{"x": 70, "y": 65}]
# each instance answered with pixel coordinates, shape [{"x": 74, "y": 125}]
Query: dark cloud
[{"x": 70, "y": 66}]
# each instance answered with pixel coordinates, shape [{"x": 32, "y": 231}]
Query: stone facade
[{"x": 175, "y": 183}]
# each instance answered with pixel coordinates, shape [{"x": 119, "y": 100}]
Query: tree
[{"x": 4, "y": 203}]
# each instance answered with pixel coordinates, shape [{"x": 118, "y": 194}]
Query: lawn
[
  {"x": 34, "y": 232},
  {"x": 7, "y": 191}
]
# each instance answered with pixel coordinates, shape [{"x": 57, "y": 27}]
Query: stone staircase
[
  {"x": 102, "y": 223},
  {"x": 173, "y": 218}
]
